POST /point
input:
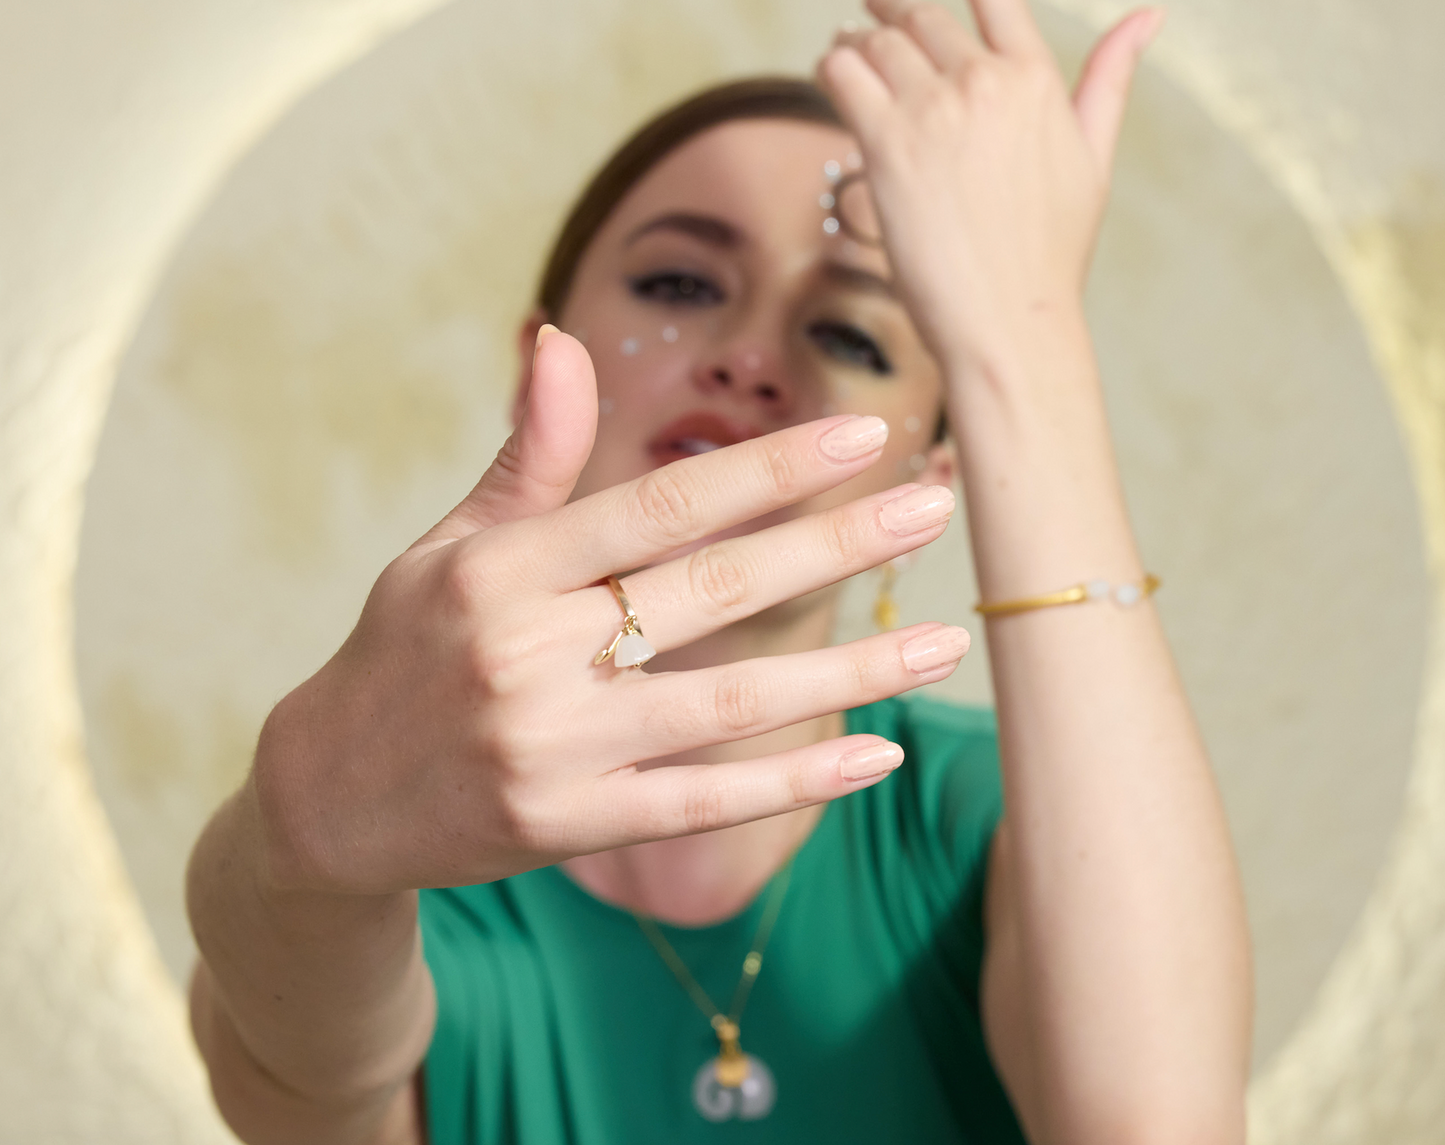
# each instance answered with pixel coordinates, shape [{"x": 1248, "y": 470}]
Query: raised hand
[
  {"x": 989, "y": 179},
  {"x": 462, "y": 733}
]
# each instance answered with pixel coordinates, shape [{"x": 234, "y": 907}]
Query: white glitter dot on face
[
  {"x": 833, "y": 170},
  {"x": 669, "y": 333},
  {"x": 604, "y": 406},
  {"x": 830, "y": 226},
  {"x": 854, "y": 160},
  {"x": 630, "y": 346},
  {"x": 912, "y": 424},
  {"x": 917, "y": 462},
  {"x": 827, "y": 201}
]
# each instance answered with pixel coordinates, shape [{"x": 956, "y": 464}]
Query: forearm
[
  {"x": 1130, "y": 935},
  {"x": 313, "y": 1011}
]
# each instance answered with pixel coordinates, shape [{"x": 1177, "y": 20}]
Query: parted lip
[{"x": 698, "y": 432}]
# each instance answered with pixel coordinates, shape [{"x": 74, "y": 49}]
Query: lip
[{"x": 681, "y": 437}]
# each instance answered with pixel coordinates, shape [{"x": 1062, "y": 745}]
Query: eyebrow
[
  {"x": 705, "y": 228},
  {"x": 856, "y": 278}
]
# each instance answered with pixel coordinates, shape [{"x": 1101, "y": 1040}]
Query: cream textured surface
[{"x": 254, "y": 296}]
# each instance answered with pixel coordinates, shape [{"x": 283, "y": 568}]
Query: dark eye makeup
[
  {"x": 677, "y": 288},
  {"x": 850, "y": 345},
  {"x": 841, "y": 341}
]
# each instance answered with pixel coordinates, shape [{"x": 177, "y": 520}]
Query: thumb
[
  {"x": 538, "y": 466},
  {"x": 1103, "y": 89}
]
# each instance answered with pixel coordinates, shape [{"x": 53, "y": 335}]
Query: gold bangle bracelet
[{"x": 1123, "y": 594}]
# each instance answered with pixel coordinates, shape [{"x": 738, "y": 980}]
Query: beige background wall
[{"x": 288, "y": 244}]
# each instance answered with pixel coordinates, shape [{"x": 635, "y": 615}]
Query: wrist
[{"x": 1047, "y": 341}]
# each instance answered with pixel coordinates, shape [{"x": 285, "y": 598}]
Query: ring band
[{"x": 629, "y": 648}]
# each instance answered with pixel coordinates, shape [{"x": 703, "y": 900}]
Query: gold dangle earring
[{"x": 885, "y": 608}]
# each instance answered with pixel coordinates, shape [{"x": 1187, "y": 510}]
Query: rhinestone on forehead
[
  {"x": 630, "y": 346},
  {"x": 669, "y": 333},
  {"x": 832, "y": 170}
]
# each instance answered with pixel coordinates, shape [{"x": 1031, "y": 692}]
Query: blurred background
[{"x": 261, "y": 266}]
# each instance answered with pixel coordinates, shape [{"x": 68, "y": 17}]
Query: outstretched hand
[
  {"x": 989, "y": 179},
  {"x": 462, "y": 733}
]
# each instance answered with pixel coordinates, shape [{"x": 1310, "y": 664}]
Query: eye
[
  {"x": 677, "y": 288},
  {"x": 850, "y": 345}
]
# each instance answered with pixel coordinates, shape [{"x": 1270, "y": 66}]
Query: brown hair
[{"x": 764, "y": 97}]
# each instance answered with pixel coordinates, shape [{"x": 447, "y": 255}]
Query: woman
[{"x": 628, "y": 844}]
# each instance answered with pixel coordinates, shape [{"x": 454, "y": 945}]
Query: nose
[{"x": 752, "y": 374}]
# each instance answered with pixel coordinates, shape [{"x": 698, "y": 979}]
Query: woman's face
[{"x": 719, "y": 304}]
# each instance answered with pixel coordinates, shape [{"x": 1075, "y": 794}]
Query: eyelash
[
  {"x": 839, "y": 340},
  {"x": 850, "y": 345},
  {"x": 677, "y": 288}
]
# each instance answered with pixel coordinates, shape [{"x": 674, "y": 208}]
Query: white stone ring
[{"x": 629, "y": 648}]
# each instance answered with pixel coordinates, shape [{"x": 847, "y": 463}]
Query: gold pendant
[{"x": 731, "y": 1066}]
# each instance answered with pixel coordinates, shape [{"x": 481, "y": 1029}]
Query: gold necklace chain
[{"x": 732, "y": 1066}]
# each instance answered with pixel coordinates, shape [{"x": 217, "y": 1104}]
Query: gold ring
[{"x": 629, "y": 648}]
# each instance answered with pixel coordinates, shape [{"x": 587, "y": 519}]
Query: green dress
[{"x": 559, "y": 1024}]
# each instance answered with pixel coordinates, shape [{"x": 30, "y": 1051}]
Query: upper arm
[{"x": 1007, "y": 1024}]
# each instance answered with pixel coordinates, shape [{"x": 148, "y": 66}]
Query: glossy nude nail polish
[
  {"x": 943, "y": 647},
  {"x": 865, "y": 763},
  {"x": 857, "y": 437},
  {"x": 916, "y": 510}
]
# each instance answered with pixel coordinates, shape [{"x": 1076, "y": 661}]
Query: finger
[
  {"x": 689, "y": 597},
  {"x": 537, "y": 468},
  {"x": 1008, "y": 26},
  {"x": 859, "y": 93},
  {"x": 633, "y": 524},
  {"x": 676, "y": 711},
  {"x": 664, "y": 802},
  {"x": 935, "y": 29},
  {"x": 1102, "y": 93},
  {"x": 904, "y": 66}
]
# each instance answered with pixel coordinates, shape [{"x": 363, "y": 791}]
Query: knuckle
[
  {"x": 462, "y": 579},
  {"x": 739, "y": 704},
  {"x": 799, "y": 792},
  {"x": 870, "y": 669},
  {"x": 719, "y": 579},
  {"x": 498, "y": 664},
  {"x": 785, "y": 471},
  {"x": 704, "y": 808},
  {"x": 847, "y": 537},
  {"x": 668, "y": 505}
]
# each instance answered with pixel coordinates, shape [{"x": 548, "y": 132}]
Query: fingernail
[
  {"x": 865, "y": 763},
  {"x": 916, "y": 510},
  {"x": 940, "y": 648},
  {"x": 1155, "y": 27},
  {"x": 544, "y": 331},
  {"x": 857, "y": 437}
]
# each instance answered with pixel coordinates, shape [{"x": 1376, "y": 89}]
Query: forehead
[{"x": 765, "y": 176}]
